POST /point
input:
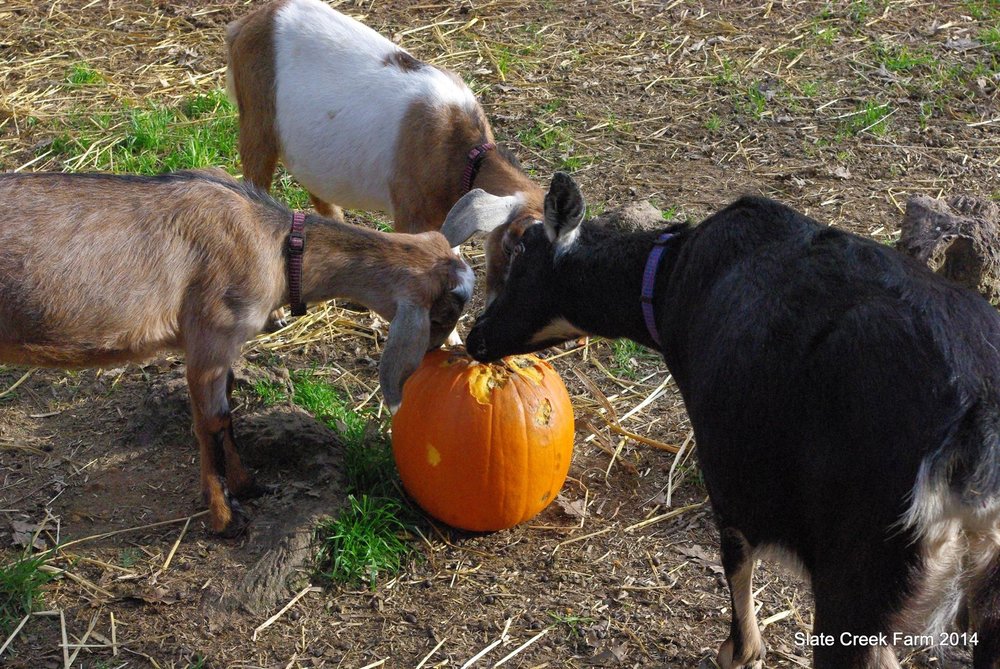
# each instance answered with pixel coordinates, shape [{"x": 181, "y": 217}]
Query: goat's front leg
[
  {"x": 744, "y": 647},
  {"x": 220, "y": 463}
]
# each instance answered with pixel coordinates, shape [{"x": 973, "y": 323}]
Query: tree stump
[{"x": 958, "y": 237}]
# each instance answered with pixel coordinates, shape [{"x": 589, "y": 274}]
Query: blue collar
[{"x": 649, "y": 279}]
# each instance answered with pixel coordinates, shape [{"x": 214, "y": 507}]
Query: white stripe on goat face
[{"x": 558, "y": 329}]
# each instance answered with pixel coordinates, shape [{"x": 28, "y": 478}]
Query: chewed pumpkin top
[{"x": 484, "y": 377}]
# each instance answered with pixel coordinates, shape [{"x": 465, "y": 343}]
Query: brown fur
[
  {"x": 250, "y": 43},
  {"x": 403, "y": 61},
  {"x": 101, "y": 269},
  {"x": 431, "y": 154}
]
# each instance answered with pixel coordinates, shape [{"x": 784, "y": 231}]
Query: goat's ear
[
  {"x": 478, "y": 211},
  {"x": 409, "y": 337},
  {"x": 564, "y": 208}
]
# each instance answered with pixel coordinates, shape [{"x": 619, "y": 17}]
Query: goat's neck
[
  {"x": 348, "y": 261},
  {"x": 602, "y": 283}
]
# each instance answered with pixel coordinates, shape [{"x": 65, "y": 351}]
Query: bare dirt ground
[{"x": 687, "y": 104}]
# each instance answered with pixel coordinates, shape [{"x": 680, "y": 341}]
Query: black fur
[{"x": 820, "y": 370}]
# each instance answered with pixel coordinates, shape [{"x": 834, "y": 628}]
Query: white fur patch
[
  {"x": 558, "y": 328},
  {"x": 466, "y": 282},
  {"x": 566, "y": 242},
  {"x": 958, "y": 542},
  {"x": 339, "y": 106}
]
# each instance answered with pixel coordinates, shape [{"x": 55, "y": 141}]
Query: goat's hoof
[
  {"x": 238, "y": 524},
  {"x": 749, "y": 660}
]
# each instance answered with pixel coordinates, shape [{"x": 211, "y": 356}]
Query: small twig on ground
[
  {"x": 523, "y": 646},
  {"x": 19, "y": 382},
  {"x": 65, "y": 640},
  {"x": 83, "y": 640},
  {"x": 580, "y": 538},
  {"x": 270, "y": 621},
  {"x": 13, "y": 634},
  {"x": 431, "y": 654},
  {"x": 503, "y": 637},
  {"x": 180, "y": 537},
  {"x": 664, "y": 516},
  {"x": 105, "y": 535}
]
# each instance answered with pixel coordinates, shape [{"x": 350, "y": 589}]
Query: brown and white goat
[
  {"x": 363, "y": 124},
  {"x": 99, "y": 269},
  {"x": 845, "y": 401}
]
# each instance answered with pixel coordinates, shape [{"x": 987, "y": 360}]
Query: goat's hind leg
[
  {"x": 853, "y": 607},
  {"x": 744, "y": 647},
  {"x": 324, "y": 208},
  {"x": 242, "y": 484}
]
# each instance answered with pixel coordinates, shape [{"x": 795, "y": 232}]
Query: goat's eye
[{"x": 518, "y": 250}]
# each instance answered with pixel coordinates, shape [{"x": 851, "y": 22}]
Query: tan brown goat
[{"x": 100, "y": 269}]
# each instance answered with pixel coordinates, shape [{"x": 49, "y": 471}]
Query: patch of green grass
[
  {"x": 550, "y": 136},
  {"x": 826, "y": 34},
  {"x": 899, "y": 58},
  {"x": 20, "y": 591},
  {"x": 754, "y": 101},
  {"x": 574, "y": 624},
  {"x": 991, "y": 38},
  {"x": 809, "y": 88},
  {"x": 670, "y": 213},
  {"x": 201, "y": 131},
  {"x": 982, "y": 9},
  {"x": 858, "y": 11},
  {"x": 713, "y": 123},
  {"x": 869, "y": 117},
  {"x": 368, "y": 463},
  {"x": 545, "y": 136},
  {"x": 364, "y": 542},
  {"x": 727, "y": 76},
  {"x": 626, "y": 355},
  {"x": 129, "y": 557},
  {"x": 270, "y": 392},
  {"x": 326, "y": 403},
  {"x": 82, "y": 74}
]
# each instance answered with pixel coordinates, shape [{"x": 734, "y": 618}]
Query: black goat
[{"x": 845, "y": 403}]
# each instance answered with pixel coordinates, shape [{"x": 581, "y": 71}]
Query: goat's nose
[{"x": 476, "y": 344}]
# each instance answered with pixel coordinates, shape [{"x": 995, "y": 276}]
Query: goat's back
[
  {"x": 107, "y": 266},
  {"x": 822, "y": 371},
  {"x": 340, "y": 140}
]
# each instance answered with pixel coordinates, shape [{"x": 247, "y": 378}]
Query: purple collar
[
  {"x": 649, "y": 279},
  {"x": 296, "y": 245},
  {"x": 472, "y": 161}
]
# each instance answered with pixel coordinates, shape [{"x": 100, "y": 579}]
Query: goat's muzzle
[{"x": 476, "y": 343}]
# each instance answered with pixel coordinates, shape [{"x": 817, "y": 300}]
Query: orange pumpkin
[{"x": 483, "y": 446}]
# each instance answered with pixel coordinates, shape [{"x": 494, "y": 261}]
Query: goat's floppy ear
[
  {"x": 409, "y": 337},
  {"x": 564, "y": 208},
  {"x": 478, "y": 211}
]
